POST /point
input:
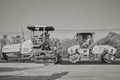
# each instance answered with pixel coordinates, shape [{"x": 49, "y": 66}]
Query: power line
[{"x": 91, "y": 30}]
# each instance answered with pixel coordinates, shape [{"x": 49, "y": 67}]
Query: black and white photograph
[{"x": 59, "y": 39}]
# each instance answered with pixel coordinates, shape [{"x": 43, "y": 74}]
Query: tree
[
  {"x": 4, "y": 41},
  {"x": 13, "y": 40},
  {"x": 16, "y": 39},
  {"x": 112, "y": 39}
]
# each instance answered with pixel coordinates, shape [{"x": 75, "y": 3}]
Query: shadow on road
[
  {"x": 51, "y": 77},
  {"x": 9, "y": 69}
]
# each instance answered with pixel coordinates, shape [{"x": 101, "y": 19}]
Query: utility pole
[{"x": 23, "y": 37}]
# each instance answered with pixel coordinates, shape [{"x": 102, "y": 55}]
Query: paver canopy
[{"x": 45, "y": 28}]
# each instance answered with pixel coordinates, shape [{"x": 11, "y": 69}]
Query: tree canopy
[{"x": 112, "y": 39}]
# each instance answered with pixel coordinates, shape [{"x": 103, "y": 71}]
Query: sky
[{"x": 62, "y": 14}]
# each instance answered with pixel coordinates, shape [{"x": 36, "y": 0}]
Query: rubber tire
[
  {"x": 106, "y": 60},
  {"x": 56, "y": 60},
  {"x": 5, "y": 57},
  {"x": 36, "y": 60},
  {"x": 76, "y": 61}
]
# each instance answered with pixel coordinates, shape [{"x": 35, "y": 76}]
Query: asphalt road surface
[{"x": 84, "y": 70}]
